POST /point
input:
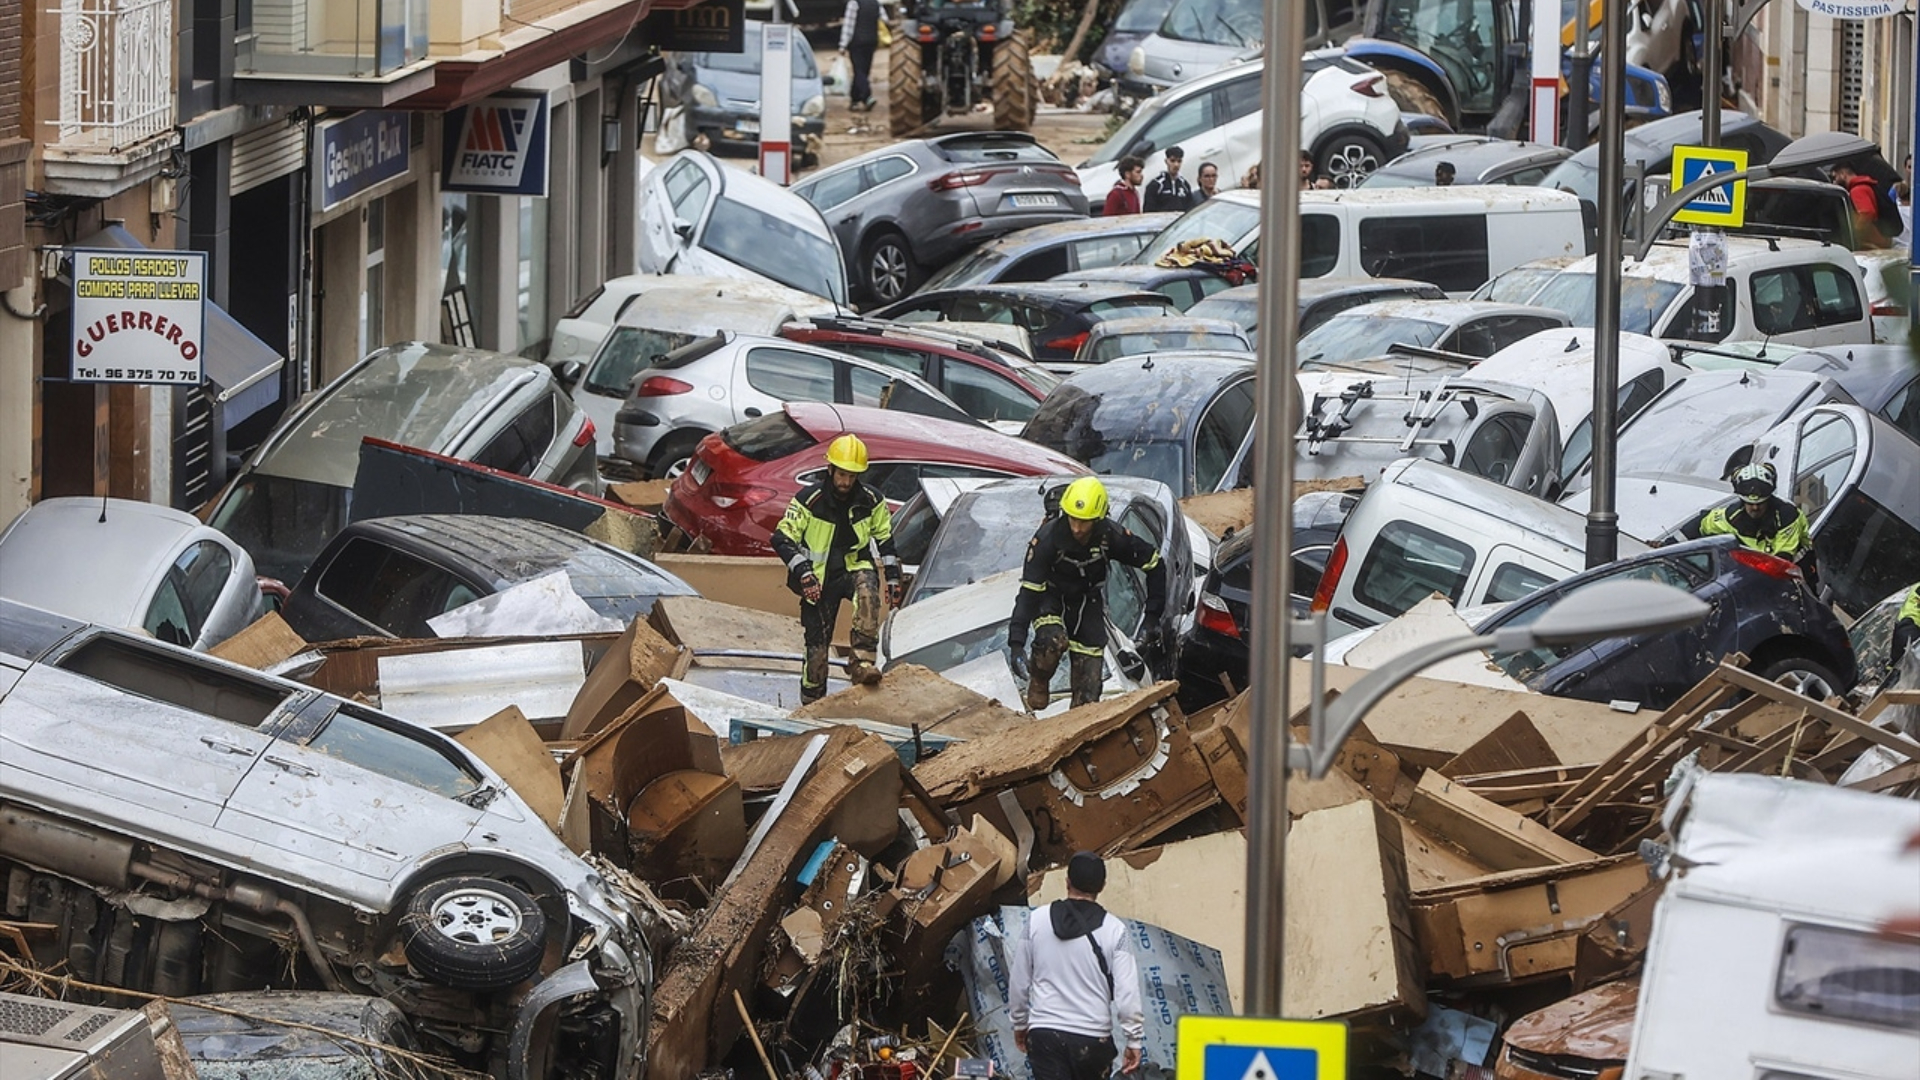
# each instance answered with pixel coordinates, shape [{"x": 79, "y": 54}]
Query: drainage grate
[{"x": 28, "y": 1018}]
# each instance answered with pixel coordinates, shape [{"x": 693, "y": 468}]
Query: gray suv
[{"x": 193, "y": 826}]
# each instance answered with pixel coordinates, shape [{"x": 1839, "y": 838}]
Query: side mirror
[
  {"x": 683, "y": 229},
  {"x": 569, "y": 373}
]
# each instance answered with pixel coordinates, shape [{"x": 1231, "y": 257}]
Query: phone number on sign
[{"x": 153, "y": 375}]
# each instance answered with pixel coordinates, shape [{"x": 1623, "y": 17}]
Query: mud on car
[{"x": 193, "y": 827}]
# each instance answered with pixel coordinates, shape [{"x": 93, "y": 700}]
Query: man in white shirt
[{"x": 1071, "y": 973}]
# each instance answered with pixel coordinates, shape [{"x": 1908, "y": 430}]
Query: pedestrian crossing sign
[
  {"x": 1724, "y": 206},
  {"x": 1254, "y": 1048}
]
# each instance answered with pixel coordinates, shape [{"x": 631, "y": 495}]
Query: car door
[
  {"x": 771, "y": 375},
  {"x": 1648, "y": 668}
]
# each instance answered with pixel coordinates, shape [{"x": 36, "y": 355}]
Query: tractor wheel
[
  {"x": 1413, "y": 96},
  {"x": 1013, "y": 85},
  {"x": 906, "y": 103}
]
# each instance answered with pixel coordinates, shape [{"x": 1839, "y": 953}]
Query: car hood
[
  {"x": 741, "y": 89},
  {"x": 1651, "y": 504}
]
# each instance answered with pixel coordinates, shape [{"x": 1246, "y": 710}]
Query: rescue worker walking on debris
[
  {"x": 1062, "y": 995},
  {"x": 828, "y": 538},
  {"x": 1762, "y": 521},
  {"x": 1063, "y": 594},
  {"x": 1906, "y": 625}
]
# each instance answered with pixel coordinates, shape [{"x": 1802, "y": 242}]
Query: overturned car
[{"x": 193, "y": 827}]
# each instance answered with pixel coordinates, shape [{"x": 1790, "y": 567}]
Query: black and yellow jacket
[
  {"x": 804, "y": 536},
  {"x": 1781, "y": 529},
  {"x": 1060, "y": 566}
]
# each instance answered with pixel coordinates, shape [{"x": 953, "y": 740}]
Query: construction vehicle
[{"x": 956, "y": 58}]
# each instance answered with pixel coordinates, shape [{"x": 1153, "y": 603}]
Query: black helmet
[{"x": 1753, "y": 483}]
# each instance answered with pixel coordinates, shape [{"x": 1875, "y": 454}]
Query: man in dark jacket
[
  {"x": 1762, "y": 521},
  {"x": 859, "y": 36},
  {"x": 1169, "y": 190},
  {"x": 1063, "y": 594}
]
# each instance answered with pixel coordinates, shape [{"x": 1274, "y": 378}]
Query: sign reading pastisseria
[{"x": 139, "y": 316}]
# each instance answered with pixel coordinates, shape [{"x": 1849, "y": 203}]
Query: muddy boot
[
  {"x": 813, "y": 675},
  {"x": 1084, "y": 672},
  {"x": 862, "y": 673},
  {"x": 1038, "y": 696}
]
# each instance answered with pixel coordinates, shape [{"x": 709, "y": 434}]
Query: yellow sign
[
  {"x": 1253, "y": 1048},
  {"x": 1724, "y": 206}
]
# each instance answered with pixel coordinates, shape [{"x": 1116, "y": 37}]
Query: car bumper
[
  {"x": 950, "y": 240},
  {"x": 728, "y": 127},
  {"x": 635, "y": 433}
]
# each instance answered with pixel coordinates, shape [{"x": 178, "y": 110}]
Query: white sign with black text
[{"x": 139, "y": 317}]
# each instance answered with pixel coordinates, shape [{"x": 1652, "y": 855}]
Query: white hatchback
[{"x": 698, "y": 216}]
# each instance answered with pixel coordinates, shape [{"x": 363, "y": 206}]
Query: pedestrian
[
  {"x": 1169, "y": 190},
  {"x": 1062, "y": 997},
  {"x": 1762, "y": 521},
  {"x": 1306, "y": 170},
  {"x": 859, "y": 37},
  {"x": 1125, "y": 196},
  {"x": 1443, "y": 174},
  {"x": 828, "y": 538},
  {"x": 1868, "y": 229},
  {"x": 1209, "y": 177},
  {"x": 1251, "y": 179},
  {"x": 1906, "y": 625},
  {"x": 1903, "y": 201},
  {"x": 1063, "y": 595}
]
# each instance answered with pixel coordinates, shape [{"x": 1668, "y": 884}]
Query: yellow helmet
[
  {"x": 1086, "y": 499},
  {"x": 849, "y": 453}
]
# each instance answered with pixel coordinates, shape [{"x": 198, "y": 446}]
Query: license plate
[
  {"x": 750, "y": 127},
  {"x": 701, "y": 470},
  {"x": 1033, "y": 200}
]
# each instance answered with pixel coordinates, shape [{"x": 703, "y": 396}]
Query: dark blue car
[{"x": 1760, "y": 606}]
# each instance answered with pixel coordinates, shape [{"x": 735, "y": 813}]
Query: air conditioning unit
[{"x": 53, "y": 1040}]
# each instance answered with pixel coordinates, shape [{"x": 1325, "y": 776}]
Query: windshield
[
  {"x": 1133, "y": 344},
  {"x": 1242, "y": 311},
  {"x": 282, "y": 523},
  {"x": 1129, "y": 131},
  {"x": 747, "y": 60},
  {"x": 775, "y": 248},
  {"x": 1216, "y": 22},
  {"x": 630, "y": 350},
  {"x": 1643, "y": 301},
  {"x": 1215, "y": 219},
  {"x": 1357, "y": 336},
  {"x": 1141, "y": 16},
  {"x": 975, "y": 267},
  {"x": 1517, "y": 286},
  {"x": 982, "y": 535},
  {"x": 1580, "y": 177},
  {"x": 1691, "y": 430}
]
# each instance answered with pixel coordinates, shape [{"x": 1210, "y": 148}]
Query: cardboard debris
[
  {"x": 706, "y": 626},
  {"x": 910, "y": 694},
  {"x": 1430, "y": 620},
  {"x": 263, "y": 643},
  {"x": 758, "y": 582},
  {"x": 645, "y": 495},
  {"x": 453, "y": 689},
  {"x": 1350, "y": 947},
  {"x": 1515, "y": 744},
  {"x": 1487, "y": 832},
  {"x": 510, "y": 747},
  {"x": 942, "y": 888},
  {"x": 1003, "y": 758},
  {"x": 1522, "y": 924},
  {"x": 635, "y": 661},
  {"x": 1221, "y": 512}
]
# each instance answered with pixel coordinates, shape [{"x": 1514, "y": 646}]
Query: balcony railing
[
  {"x": 334, "y": 38},
  {"x": 116, "y": 72}
]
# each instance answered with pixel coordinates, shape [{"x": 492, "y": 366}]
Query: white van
[
  {"x": 1425, "y": 528},
  {"x": 1454, "y": 237}
]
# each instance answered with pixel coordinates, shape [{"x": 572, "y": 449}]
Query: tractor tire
[
  {"x": 1413, "y": 96},
  {"x": 1014, "y": 90},
  {"x": 906, "y": 100}
]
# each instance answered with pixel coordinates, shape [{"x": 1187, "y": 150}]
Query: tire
[
  {"x": 673, "y": 454},
  {"x": 474, "y": 933},
  {"x": 887, "y": 269},
  {"x": 1013, "y": 86},
  {"x": 1810, "y": 678},
  {"x": 1348, "y": 158},
  {"x": 906, "y": 98},
  {"x": 1412, "y": 95}
]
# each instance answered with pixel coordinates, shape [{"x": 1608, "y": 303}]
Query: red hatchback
[{"x": 741, "y": 479}]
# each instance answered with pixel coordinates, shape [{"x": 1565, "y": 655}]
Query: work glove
[
  {"x": 810, "y": 587},
  {"x": 895, "y": 592},
  {"x": 1149, "y": 642},
  {"x": 1017, "y": 662}
]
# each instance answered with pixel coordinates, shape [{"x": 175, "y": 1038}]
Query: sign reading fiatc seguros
[
  {"x": 138, "y": 317},
  {"x": 497, "y": 146}
]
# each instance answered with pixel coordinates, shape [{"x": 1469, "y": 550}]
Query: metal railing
[
  {"x": 333, "y": 38},
  {"x": 116, "y": 72}
]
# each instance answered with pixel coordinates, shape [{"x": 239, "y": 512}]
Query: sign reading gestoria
[
  {"x": 138, "y": 317},
  {"x": 356, "y": 153},
  {"x": 497, "y": 146}
]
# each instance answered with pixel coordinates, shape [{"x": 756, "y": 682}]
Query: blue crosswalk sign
[
  {"x": 1261, "y": 1063},
  {"x": 1725, "y": 205},
  {"x": 1256, "y": 1048}
]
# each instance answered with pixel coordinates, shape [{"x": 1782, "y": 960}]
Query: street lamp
[{"x": 1604, "y": 610}]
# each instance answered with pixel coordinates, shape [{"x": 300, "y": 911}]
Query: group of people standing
[{"x": 1131, "y": 193}]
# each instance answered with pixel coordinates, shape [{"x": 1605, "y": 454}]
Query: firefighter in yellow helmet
[
  {"x": 830, "y": 537},
  {"x": 1063, "y": 594},
  {"x": 1762, "y": 521}
]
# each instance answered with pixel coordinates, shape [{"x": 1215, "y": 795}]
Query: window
[
  {"x": 167, "y": 615},
  {"x": 1045, "y": 264},
  {"x": 866, "y": 386},
  {"x": 1826, "y": 454},
  {"x": 630, "y": 350},
  {"x": 790, "y": 376},
  {"x": 830, "y": 191},
  {"x": 1126, "y": 586},
  {"x": 1308, "y": 564},
  {"x": 1840, "y": 974},
  {"x": 1512, "y": 328},
  {"x": 177, "y": 680},
  {"x": 1319, "y": 244},
  {"x": 768, "y": 438},
  {"x": 891, "y": 168},
  {"x": 1177, "y": 123},
  {"x": 1449, "y": 250},
  {"x": 1243, "y": 99},
  {"x": 1803, "y": 298},
  {"x": 1409, "y": 562},
  {"x": 1633, "y": 397},
  {"x": 519, "y": 447},
  {"x": 907, "y": 360},
  {"x": 1884, "y": 554},
  {"x": 201, "y": 573},
  {"x": 1513, "y": 581},
  {"x": 361, "y": 738},
  {"x": 1220, "y": 433},
  {"x": 1903, "y": 408},
  {"x": 1493, "y": 451},
  {"x": 687, "y": 186},
  {"x": 985, "y": 395},
  {"x": 390, "y": 589}
]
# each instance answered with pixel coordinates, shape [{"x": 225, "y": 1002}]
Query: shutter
[
  {"x": 267, "y": 153},
  {"x": 1853, "y": 49}
]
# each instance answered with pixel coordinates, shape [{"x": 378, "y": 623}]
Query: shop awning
[{"x": 241, "y": 368}]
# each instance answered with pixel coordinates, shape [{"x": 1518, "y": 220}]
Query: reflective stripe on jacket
[
  {"x": 805, "y": 537},
  {"x": 1782, "y": 531}
]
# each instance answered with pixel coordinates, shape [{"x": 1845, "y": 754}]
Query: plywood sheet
[
  {"x": 1350, "y": 947},
  {"x": 1006, "y": 757},
  {"x": 510, "y": 747},
  {"x": 265, "y": 642},
  {"x": 1489, "y": 833}
]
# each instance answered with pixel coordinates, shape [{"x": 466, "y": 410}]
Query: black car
[
  {"x": 1214, "y": 652},
  {"x": 1476, "y": 159},
  {"x": 1320, "y": 299},
  {"x": 1045, "y": 252},
  {"x": 1056, "y": 317},
  {"x": 1653, "y": 143},
  {"x": 388, "y": 576},
  {"x": 904, "y": 209},
  {"x": 1179, "y": 419},
  {"x": 1184, "y": 285}
]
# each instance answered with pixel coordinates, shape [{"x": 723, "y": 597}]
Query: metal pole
[
  {"x": 1710, "y": 73},
  {"x": 1273, "y": 510},
  {"x": 1578, "y": 77},
  {"x": 1603, "y": 525}
]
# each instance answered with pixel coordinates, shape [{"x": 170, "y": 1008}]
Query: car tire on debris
[
  {"x": 474, "y": 933},
  {"x": 906, "y": 98},
  {"x": 1013, "y": 84},
  {"x": 1807, "y": 677}
]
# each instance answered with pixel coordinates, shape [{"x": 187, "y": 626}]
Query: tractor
[{"x": 955, "y": 58}]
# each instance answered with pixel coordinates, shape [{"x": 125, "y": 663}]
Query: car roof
[
  {"x": 1322, "y": 287},
  {"x": 1871, "y": 373},
  {"x": 512, "y": 550},
  {"x": 1171, "y": 322},
  {"x": 1135, "y": 274},
  {"x": 759, "y": 193},
  {"x": 1671, "y": 260},
  {"x": 1471, "y": 155},
  {"x": 1449, "y": 312},
  {"x": 1481, "y": 496},
  {"x": 956, "y": 442},
  {"x": 722, "y": 301},
  {"x": 1060, "y": 232},
  {"x": 1653, "y": 142},
  {"x": 415, "y": 393},
  {"x": 1136, "y": 386},
  {"x": 1488, "y": 195},
  {"x": 1064, "y": 293},
  {"x": 61, "y": 555}
]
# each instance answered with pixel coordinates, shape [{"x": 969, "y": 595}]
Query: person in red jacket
[
  {"x": 1867, "y": 227},
  {"x": 1125, "y": 196}
]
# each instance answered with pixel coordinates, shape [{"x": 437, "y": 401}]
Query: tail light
[
  {"x": 1891, "y": 311},
  {"x": 927, "y": 33},
  {"x": 1771, "y": 565},
  {"x": 1372, "y": 86},
  {"x": 1330, "y": 577},
  {"x": 988, "y": 32},
  {"x": 1213, "y": 615},
  {"x": 585, "y": 438},
  {"x": 954, "y": 181},
  {"x": 1068, "y": 344},
  {"x": 661, "y": 386},
  {"x": 728, "y": 496}
]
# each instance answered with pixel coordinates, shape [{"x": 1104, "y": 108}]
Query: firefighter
[
  {"x": 829, "y": 537},
  {"x": 1906, "y": 625},
  {"x": 1063, "y": 594},
  {"x": 1761, "y": 520}
]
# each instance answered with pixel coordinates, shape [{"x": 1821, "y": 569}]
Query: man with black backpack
[{"x": 1063, "y": 994}]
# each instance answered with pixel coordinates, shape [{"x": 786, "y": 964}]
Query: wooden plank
[
  {"x": 1892, "y": 778},
  {"x": 1551, "y": 774},
  {"x": 1490, "y": 833},
  {"x": 1515, "y": 744},
  {"x": 1819, "y": 710},
  {"x": 1628, "y": 769}
]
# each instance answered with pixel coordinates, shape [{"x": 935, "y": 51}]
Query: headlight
[
  {"x": 1665, "y": 95},
  {"x": 702, "y": 95},
  {"x": 815, "y": 106},
  {"x": 1137, "y": 61}
]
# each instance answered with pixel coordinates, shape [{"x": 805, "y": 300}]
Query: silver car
[
  {"x": 719, "y": 381},
  {"x": 131, "y": 564},
  {"x": 194, "y": 825}
]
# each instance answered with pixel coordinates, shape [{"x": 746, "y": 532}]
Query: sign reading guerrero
[
  {"x": 497, "y": 146},
  {"x": 138, "y": 317}
]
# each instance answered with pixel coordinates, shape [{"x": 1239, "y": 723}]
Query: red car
[{"x": 741, "y": 479}]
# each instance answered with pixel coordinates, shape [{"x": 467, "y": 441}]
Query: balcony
[
  {"x": 344, "y": 53},
  {"x": 116, "y": 95}
]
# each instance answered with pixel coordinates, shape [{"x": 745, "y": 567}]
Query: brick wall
[{"x": 13, "y": 152}]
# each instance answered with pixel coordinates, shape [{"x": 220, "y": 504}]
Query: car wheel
[
  {"x": 673, "y": 455},
  {"x": 1348, "y": 158},
  {"x": 1013, "y": 85},
  {"x": 1808, "y": 678},
  {"x": 474, "y": 933},
  {"x": 907, "y": 101},
  {"x": 887, "y": 269}
]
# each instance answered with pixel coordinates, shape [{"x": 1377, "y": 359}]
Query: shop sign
[
  {"x": 717, "y": 26},
  {"x": 138, "y": 317},
  {"x": 358, "y": 152},
  {"x": 497, "y": 146}
]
